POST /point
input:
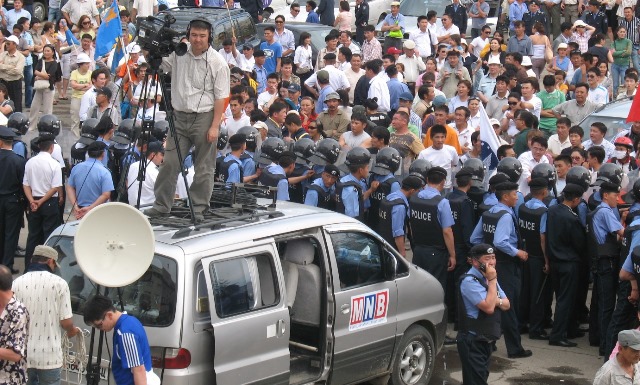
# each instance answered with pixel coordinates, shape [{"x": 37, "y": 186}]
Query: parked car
[
  {"x": 291, "y": 295},
  {"x": 377, "y": 9},
  {"x": 39, "y": 8},
  {"x": 613, "y": 115},
  {"x": 318, "y": 33}
]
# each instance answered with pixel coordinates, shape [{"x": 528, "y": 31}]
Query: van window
[
  {"x": 244, "y": 284},
  {"x": 245, "y": 29},
  {"x": 151, "y": 299},
  {"x": 220, "y": 33},
  {"x": 359, "y": 259}
]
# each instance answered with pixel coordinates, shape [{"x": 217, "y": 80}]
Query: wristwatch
[{"x": 500, "y": 302}]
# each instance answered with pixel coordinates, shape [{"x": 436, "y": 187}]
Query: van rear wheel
[{"x": 415, "y": 358}]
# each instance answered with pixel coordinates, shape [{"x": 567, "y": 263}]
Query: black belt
[{"x": 38, "y": 198}]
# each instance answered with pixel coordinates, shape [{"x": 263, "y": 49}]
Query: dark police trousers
[
  {"x": 510, "y": 280},
  {"x": 532, "y": 285},
  {"x": 565, "y": 281},
  {"x": 622, "y": 318},
  {"x": 10, "y": 219},
  {"x": 434, "y": 260},
  {"x": 474, "y": 353},
  {"x": 42, "y": 222},
  {"x": 606, "y": 278}
]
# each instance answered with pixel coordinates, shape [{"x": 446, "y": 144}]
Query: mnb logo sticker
[{"x": 369, "y": 309}]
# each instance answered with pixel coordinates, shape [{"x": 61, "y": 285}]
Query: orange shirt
[
  {"x": 122, "y": 71},
  {"x": 451, "y": 140}
]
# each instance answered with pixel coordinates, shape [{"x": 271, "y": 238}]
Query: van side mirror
[{"x": 390, "y": 266}]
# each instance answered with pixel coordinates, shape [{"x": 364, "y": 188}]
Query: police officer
[
  {"x": 88, "y": 135},
  {"x": 581, "y": 177},
  {"x": 120, "y": 146},
  {"x": 513, "y": 169},
  {"x": 604, "y": 229},
  {"x": 489, "y": 200},
  {"x": 420, "y": 168},
  {"x": 322, "y": 191},
  {"x": 223, "y": 140},
  {"x": 431, "y": 223},
  {"x": 231, "y": 170},
  {"x": 387, "y": 162},
  {"x": 481, "y": 302},
  {"x": 11, "y": 176},
  {"x": 532, "y": 218},
  {"x": 393, "y": 213},
  {"x": 302, "y": 148},
  {"x": 498, "y": 227},
  {"x": 326, "y": 152},
  {"x": 278, "y": 164},
  {"x": 608, "y": 172},
  {"x": 19, "y": 123},
  {"x": 565, "y": 247},
  {"x": 476, "y": 191},
  {"x": 352, "y": 193}
]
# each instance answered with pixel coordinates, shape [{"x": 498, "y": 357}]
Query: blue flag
[
  {"x": 109, "y": 31},
  {"x": 70, "y": 38},
  {"x": 490, "y": 142},
  {"x": 118, "y": 54}
]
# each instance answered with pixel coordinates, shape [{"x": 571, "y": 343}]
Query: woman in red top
[{"x": 307, "y": 112}]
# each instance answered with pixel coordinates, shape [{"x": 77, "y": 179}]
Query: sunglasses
[
  {"x": 279, "y": 22},
  {"x": 513, "y": 103},
  {"x": 86, "y": 22}
]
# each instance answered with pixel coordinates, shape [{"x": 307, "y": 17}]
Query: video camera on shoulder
[{"x": 156, "y": 36}]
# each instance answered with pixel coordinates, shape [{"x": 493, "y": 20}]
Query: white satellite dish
[{"x": 114, "y": 244}]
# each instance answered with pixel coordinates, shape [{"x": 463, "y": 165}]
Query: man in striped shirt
[{"x": 632, "y": 25}]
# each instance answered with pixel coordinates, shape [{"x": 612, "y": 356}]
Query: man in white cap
[
  {"x": 485, "y": 84},
  {"x": 50, "y": 314},
  {"x": 581, "y": 34},
  {"x": 413, "y": 64},
  {"x": 11, "y": 70},
  {"x": 393, "y": 27},
  {"x": 623, "y": 369}
]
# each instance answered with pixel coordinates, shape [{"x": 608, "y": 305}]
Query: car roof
[
  {"x": 298, "y": 26},
  {"x": 616, "y": 109},
  {"x": 184, "y": 15}
]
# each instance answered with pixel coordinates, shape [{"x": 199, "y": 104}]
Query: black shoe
[
  {"x": 15, "y": 271},
  {"x": 539, "y": 336},
  {"x": 524, "y": 329},
  {"x": 575, "y": 335},
  {"x": 521, "y": 354},
  {"x": 563, "y": 343},
  {"x": 449, "y": 341}
]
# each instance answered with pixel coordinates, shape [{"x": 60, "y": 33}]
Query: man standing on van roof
[
  {"x": 131, "y": 363},
  {"x": 47, "y": 296}
]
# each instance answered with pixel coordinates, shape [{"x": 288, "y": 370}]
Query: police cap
[
  {"x": 155, "y": 146},
  {"x": 332, "y": 170},
  {"x": 412, "y": 182},
  {"x": 464, "y": 172},
  {"x": 498, "y": 179},
  {"x": 608, "y": 187},
  {"x": 478, "y": 251},
  {"x": 507, "y": 186},
  {"x": 437, "y": 170},
  {"x": 96, "y": 146},
  {"x": 237, "y": 139},
  {"x": 6, "y": 133},
  {"x": 573, "y": 189},
  {"x": 538, "y": 184},
  {"x": 45, "y": 137}
]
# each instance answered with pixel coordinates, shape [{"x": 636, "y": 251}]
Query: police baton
[{"x": 544, "y": 282}]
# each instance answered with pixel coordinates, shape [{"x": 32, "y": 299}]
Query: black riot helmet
[
  {"x": 160, "y": 130},
  {"x": 125, "y": 133},
  {"x": 326, "y": 152},
  {"x": 546, "y": 172},
  {"x": 609, "y": 172},
  {"x": 49, "y": 124},
  {"x": 303, "y": 148},
  {"x": 88, "y": 133},
  {"x": 636, "y": 190},
  {"x": 357, "y": 157},
  {"x": 18, "y": 123},
  {"x": 419, "y": 168},
  {"x": 387, "y": 161},
  {"x": 251, "y": 134},
  {"x": 271, "y": 150},
  {"x": 511, "y": 167},
  {"x": 580, "y": 176},
  {"x": 223, "y": 138},
  {"x": 477, "y": 168}
]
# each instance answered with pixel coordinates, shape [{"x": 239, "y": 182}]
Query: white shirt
[
  {"x": 144, "y": 7},
  {"x": 378, "y": 89},
  {"x": 228, "y": 57},
  {"x": 424, "y": 41},
  {"x": 353, "y": 141},
  {"x": 88, "y": 100},
  {"x": 446, "y": 157},
  {"x": 244, "y": 63},
  {"x": 353, "y": 78},
  {"x": 442, "y": 31},
  {"x": 478, "y": 44},
  {"x": 57, "y": 155},
  {"x": 609, "y": 148},
  {"x": 42, "y": 173},
  {"x": 337, "y": 79},
  {"x": 264, "y": 98},
  {"x": 46, "y": 295},
  {"x": 464, "y": 136},
  {"x": 353, "y": 47},
  {"x": 413, "y": 66},
  {"x": 511, "y": 130},
  {"x": 233, "y": 125},
  {"x": 555, "y": 146},
  {"x": 303, "y": 57},
  {"x": 286, "y": 40},
  {"x": 147, "y": 196},
  {"x": 537, "y": 105},
  {"x": 528, "y": 163},
  {"x": 599, "y": 95}
]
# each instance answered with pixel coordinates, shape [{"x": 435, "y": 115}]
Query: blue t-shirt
[
  {"x": 130, "y": 348},
  {"x": 272, "y": 53},
  {"x": 90, "y": 179},
  {"x": 473, "y": 292}
]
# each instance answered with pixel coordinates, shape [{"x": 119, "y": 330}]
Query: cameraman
[
  {"x": 479, "y": 299},
  {"x": 199, "y": 87}
]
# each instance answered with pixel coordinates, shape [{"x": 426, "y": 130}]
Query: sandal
[
  {"x": 64, "y": 98},
  {"x": 55, "y": 102}
]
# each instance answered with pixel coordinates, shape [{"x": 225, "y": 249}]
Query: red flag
[{"x": 634, "y": 112}]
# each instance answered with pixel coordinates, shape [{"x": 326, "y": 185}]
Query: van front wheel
[{"x": 415, "y": 359}]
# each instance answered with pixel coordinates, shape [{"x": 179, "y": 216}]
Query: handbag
[{"x": 41, "y": 84}]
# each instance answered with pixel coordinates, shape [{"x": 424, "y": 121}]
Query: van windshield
[{"x": 151, "y": 299}]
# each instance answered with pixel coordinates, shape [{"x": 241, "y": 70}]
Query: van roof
[
  {"x": 184, "y": 15},
  {"x": 289, "y": 217}
]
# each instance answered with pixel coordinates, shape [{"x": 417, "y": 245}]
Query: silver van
[{"x": 293, "y": 296}]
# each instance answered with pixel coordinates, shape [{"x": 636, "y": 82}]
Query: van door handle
[
  {"x": 281, "y": 327},
  {"x": 345, "y": 309}
]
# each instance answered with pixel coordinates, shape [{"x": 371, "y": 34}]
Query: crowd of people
[{"x": 386, "y": 131}]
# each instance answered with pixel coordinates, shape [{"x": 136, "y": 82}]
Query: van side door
[
  {"x": 249, "y": 316},
  {"x": 366, "y": 305}
]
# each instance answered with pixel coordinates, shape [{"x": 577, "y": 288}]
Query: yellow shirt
[{"x": 80, "y": 79}]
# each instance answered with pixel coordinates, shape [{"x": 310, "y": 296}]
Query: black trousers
[
  {"x": 510, "y": 280},
  {"x": 565, "y": 282},
  {"x": 360, "y": 35},
  {"x": 462, "y": 252},
  {"x": 536, "y": 300},
  {"x": 474, "y": 358},
  {"x": 14, "y": 88},
  {"x": 607, "y": 281},
  {"x": 41, "y": 224},
  {"x": 434, "y": 260},
  {"x": 622, "y": 318},
  {"x": 391, "y": 42},
  {"x": 10, "y": 222}
]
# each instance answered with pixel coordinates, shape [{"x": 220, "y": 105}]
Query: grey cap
[
  {"x": 332, "y": 96},
  {"x": 629, "y": 339}
]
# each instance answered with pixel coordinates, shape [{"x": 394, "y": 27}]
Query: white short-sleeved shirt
[
  {"x": 47, "y": 297},
  {"x": 478, "y": 45},
  {"x": 599, "y": 95},
  {"x": 147, "y": 196},
  {"x": 42, "y": 173},
  {"x": 537, "y": 105},
  {"x": 144, "y": 7},
  {"x": 353, "y": 141},
  {"x": 528, "y": 163},
  {"x": 446, "y": 157}
]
